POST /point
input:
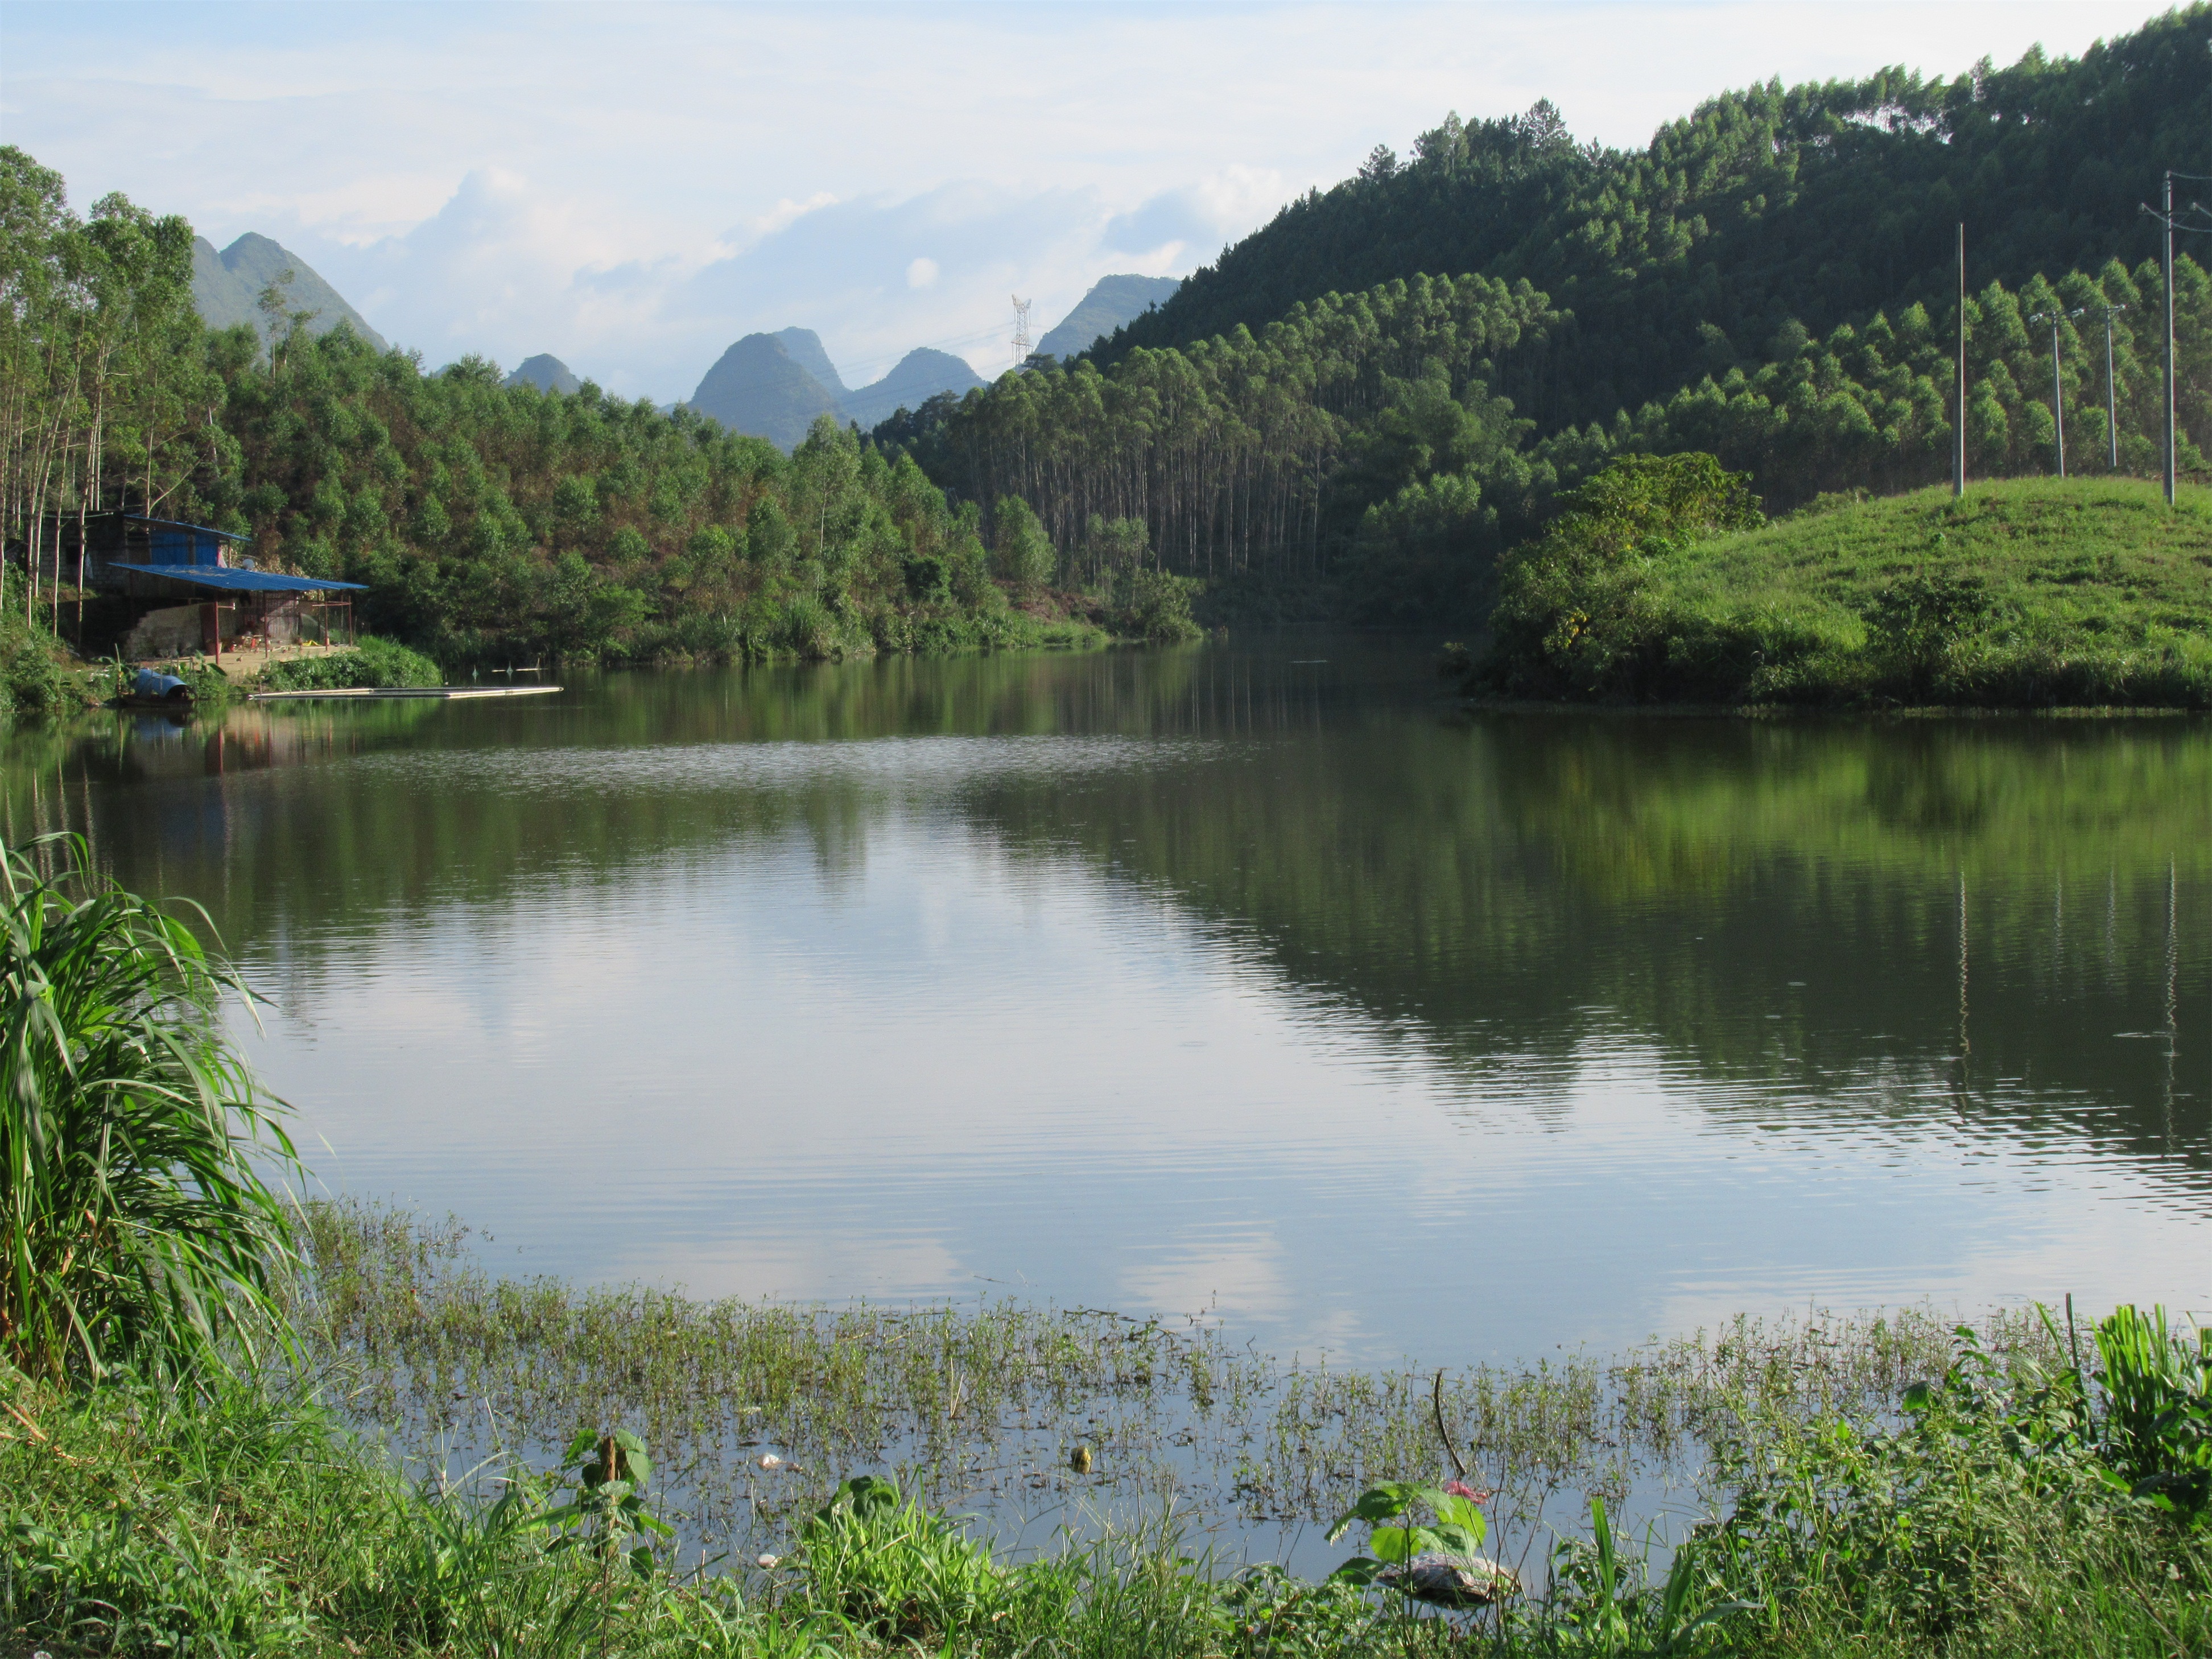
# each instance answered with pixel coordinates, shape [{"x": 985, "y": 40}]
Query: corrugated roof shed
[{"x": 238, "y": 582}]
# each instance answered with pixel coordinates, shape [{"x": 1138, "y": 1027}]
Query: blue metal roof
[
  {"x": 238, "y": 582},
  {"x": 179, "y": 524}
]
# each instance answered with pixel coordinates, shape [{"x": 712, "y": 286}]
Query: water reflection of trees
[{"x": 1859, "y": 916}]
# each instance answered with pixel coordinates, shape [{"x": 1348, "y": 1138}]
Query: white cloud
[
  {"x": 631, "y": 187},
  {"x": 921, "y": 273},
  {"x": 783, "y": 214}
]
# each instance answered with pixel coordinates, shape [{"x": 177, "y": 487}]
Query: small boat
[{"x": 153, "y": 690}]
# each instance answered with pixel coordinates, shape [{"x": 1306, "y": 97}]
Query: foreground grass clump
[
  {"x": 225, "y": 1520},
  {"x": 134, "y": 1227},
  {"x": 2026, "y": 593}
]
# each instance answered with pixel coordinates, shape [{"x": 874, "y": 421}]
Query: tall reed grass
[{"x": 135, "y": 1227}]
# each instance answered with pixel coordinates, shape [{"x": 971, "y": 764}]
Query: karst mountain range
[{"x": 772, "y": 385}]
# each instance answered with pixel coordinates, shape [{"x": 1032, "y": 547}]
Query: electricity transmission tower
[{"x": 1021, "y": 330}]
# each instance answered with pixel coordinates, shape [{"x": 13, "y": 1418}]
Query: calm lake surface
[{"x": 1253, "y": 979}]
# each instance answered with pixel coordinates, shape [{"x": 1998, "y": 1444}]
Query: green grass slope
[{"x": 2027, "y": 593}]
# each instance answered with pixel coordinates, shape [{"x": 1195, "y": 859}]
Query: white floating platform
[{"x": 433, "y": 693}]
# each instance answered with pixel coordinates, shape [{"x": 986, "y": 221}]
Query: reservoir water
[{"x": 1256, "y": 979}]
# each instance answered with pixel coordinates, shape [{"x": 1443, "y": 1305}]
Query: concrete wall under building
[{"x": 176, "y": 630}]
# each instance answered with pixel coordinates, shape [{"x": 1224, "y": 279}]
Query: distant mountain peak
[
  {"x": 775, "y": 385},
  {"x": 1112, "y": 301},
  {"x": 804, "y": 346},
  {"x": 545, "y": 372},
  {"x": 227, "y": 287},
  {"x": 919, "y": 375},
  {"x": 757, "y": 386}
]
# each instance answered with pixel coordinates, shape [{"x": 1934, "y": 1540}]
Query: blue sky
[{"x": 633, "y": 186}]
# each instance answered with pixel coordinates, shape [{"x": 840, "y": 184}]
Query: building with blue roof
[{"x": 185, "y": 587}]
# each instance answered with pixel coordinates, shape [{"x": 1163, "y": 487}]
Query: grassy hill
[{"x": 2027, "y": 593}]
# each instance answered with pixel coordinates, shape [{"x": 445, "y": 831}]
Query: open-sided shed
[{"x": 183, "y": 588}]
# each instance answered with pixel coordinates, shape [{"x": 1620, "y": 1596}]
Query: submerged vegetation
[{"x": 1865, "y": 1485}]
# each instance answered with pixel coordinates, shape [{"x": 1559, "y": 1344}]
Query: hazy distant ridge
[
  {"x": 775, "y": 385},
  {"x": 227, "y": 287},
  {"x": 919, "y": 375},
  {"x": 1112, "y": 302},
  {"x": 545, "y": 372}
]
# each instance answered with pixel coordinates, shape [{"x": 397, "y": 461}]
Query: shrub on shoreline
[{"x": 374, "y": 662}]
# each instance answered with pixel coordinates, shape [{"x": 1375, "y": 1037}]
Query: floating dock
[{"x": 432, "y": 693}]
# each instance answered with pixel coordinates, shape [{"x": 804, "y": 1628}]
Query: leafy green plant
[
  {"x": 606, "y": 1511},
  {"x": 2157, "y": 1429},
  {"x": 1433, "y": 1560},
  {"x": 1920, "y": 620},
  {"x": 1152, "y": 606},
  {"x": 1574, "y": 612},
  {"x": 134, "y": 1223},
  {"x": 32, "y": 679},
  {"x": 895, "y": 1570},
  {"x": 1603, "y": 1602},
  {"x": 604, "y": 1516}
]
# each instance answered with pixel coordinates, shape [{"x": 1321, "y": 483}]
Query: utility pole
[
  {"x": 1021, "y": 331},
  {"x": 2164, "y": 215},
  {"x": 2111, "y": 395},
  {"x": 2057, "y": 386},
  {"x": 1959, "y": 426}
]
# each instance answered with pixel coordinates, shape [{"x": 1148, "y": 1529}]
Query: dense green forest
[
  {"x": 1376, "y": 440},
  {"x": 1817, "y": 205},
  {"x": 490, "y": 521},
  {"x": 1771, "y": 283}
]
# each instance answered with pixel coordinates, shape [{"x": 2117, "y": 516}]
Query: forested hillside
[
  {"x": 1765, "y": 284},
  {"x": 1817, "y": 204},
  {"x": 491, "y": 521},
  {"x": 1376, "y": 440}
]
